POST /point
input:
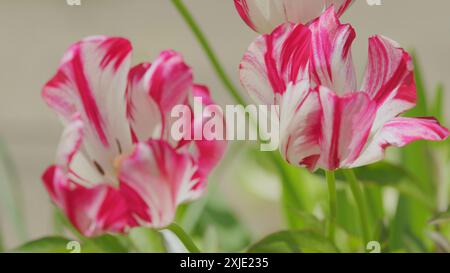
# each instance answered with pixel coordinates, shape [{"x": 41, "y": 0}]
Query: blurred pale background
[{"x": 34, "y": 35}]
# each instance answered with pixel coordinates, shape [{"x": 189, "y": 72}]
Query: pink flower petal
[
  {"x": 331, "y": 61},
  {"x": 91, "y": 81},
  {"x": 300, "y": 125},
  {"x": 389, "y": 79},
  {"x": 170, "y": 80},
  {"x": 274, "y": 60},
  {"x": 93, "y": 211},
  {"x": 346, "y": 126},
  {"x": 265, "y": 15},
  {"x": 400, "y": 132},
  {"x": 70, "y": 143},
  {"x": 143, "y": 112},
  {"x": 207, "y": 153},
  {"x": 155, "y": 179},
  {"x": 153, "y": 90}
]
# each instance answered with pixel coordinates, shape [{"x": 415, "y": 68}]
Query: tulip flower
[
  {"x": 326, "y": 121},
  {"x": 264, "y": 16},
  {"x": 116, "y": 165}
]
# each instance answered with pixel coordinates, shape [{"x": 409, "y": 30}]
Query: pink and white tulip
[
  {"x": 326, "y": 121},
  {"x": 116, "y": 165},
  {"x": 264, "y": 16}
]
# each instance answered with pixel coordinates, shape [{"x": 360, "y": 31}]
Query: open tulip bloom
[
  {"x": 116, "y": 166},
  {"x": 326, "y": 121},
  {"x": 264, "y": 16}
]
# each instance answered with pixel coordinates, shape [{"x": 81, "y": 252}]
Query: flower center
[{"x": 117, "y": 163}]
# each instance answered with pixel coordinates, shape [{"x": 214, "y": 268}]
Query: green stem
[
  {"x": 360, "y": 202},
  {"x": 195, "y": 28},
  {"x": 331, "y": 181},
  {"x": 184, "y": 238}
]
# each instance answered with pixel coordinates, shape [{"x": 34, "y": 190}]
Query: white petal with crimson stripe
[
  {"x": 400, "y": 132},
  {"x": 300, "y": 125},
  {"x": 346, "y": 127},
  {"x": 264, "y": 15},
  {"x": 389, "y": 79},
  {"x": 91, "y": 81}
]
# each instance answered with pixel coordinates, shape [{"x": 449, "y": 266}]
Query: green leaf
[
  {"x": 389, "y": 174},
  {"x": 294, "y": 242},
  {"x": 45, "y": 245},
  {"x": 105, "y": 244},
  {"x": 10, "y": 194},
  {"x": 147, "y": 240},
  {"x": 383, "y": 173}
]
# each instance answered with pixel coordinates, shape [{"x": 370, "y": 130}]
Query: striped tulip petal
[
  {"x": 155, "y": 177},
  {"x": 346, "y": 127},
  {"x": 400, "y": 132},
  {"x": 389, "y": 79},
  {"x": 93, "y": 211},
  {"x": 274, "y": 60},
  {"x": 300, "y": 125},
  {"x": 207, "y": 152},
  {"x": 92, "y": 207},
  {"x": 143, "y": 112},
  {"x": 91, "y": 82},
  {"x": 331, "y": 60},
  {"x": 265, "y": 15},
  {"x": 153, "y": 90},
  {"x": 71, "y": 141}
]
